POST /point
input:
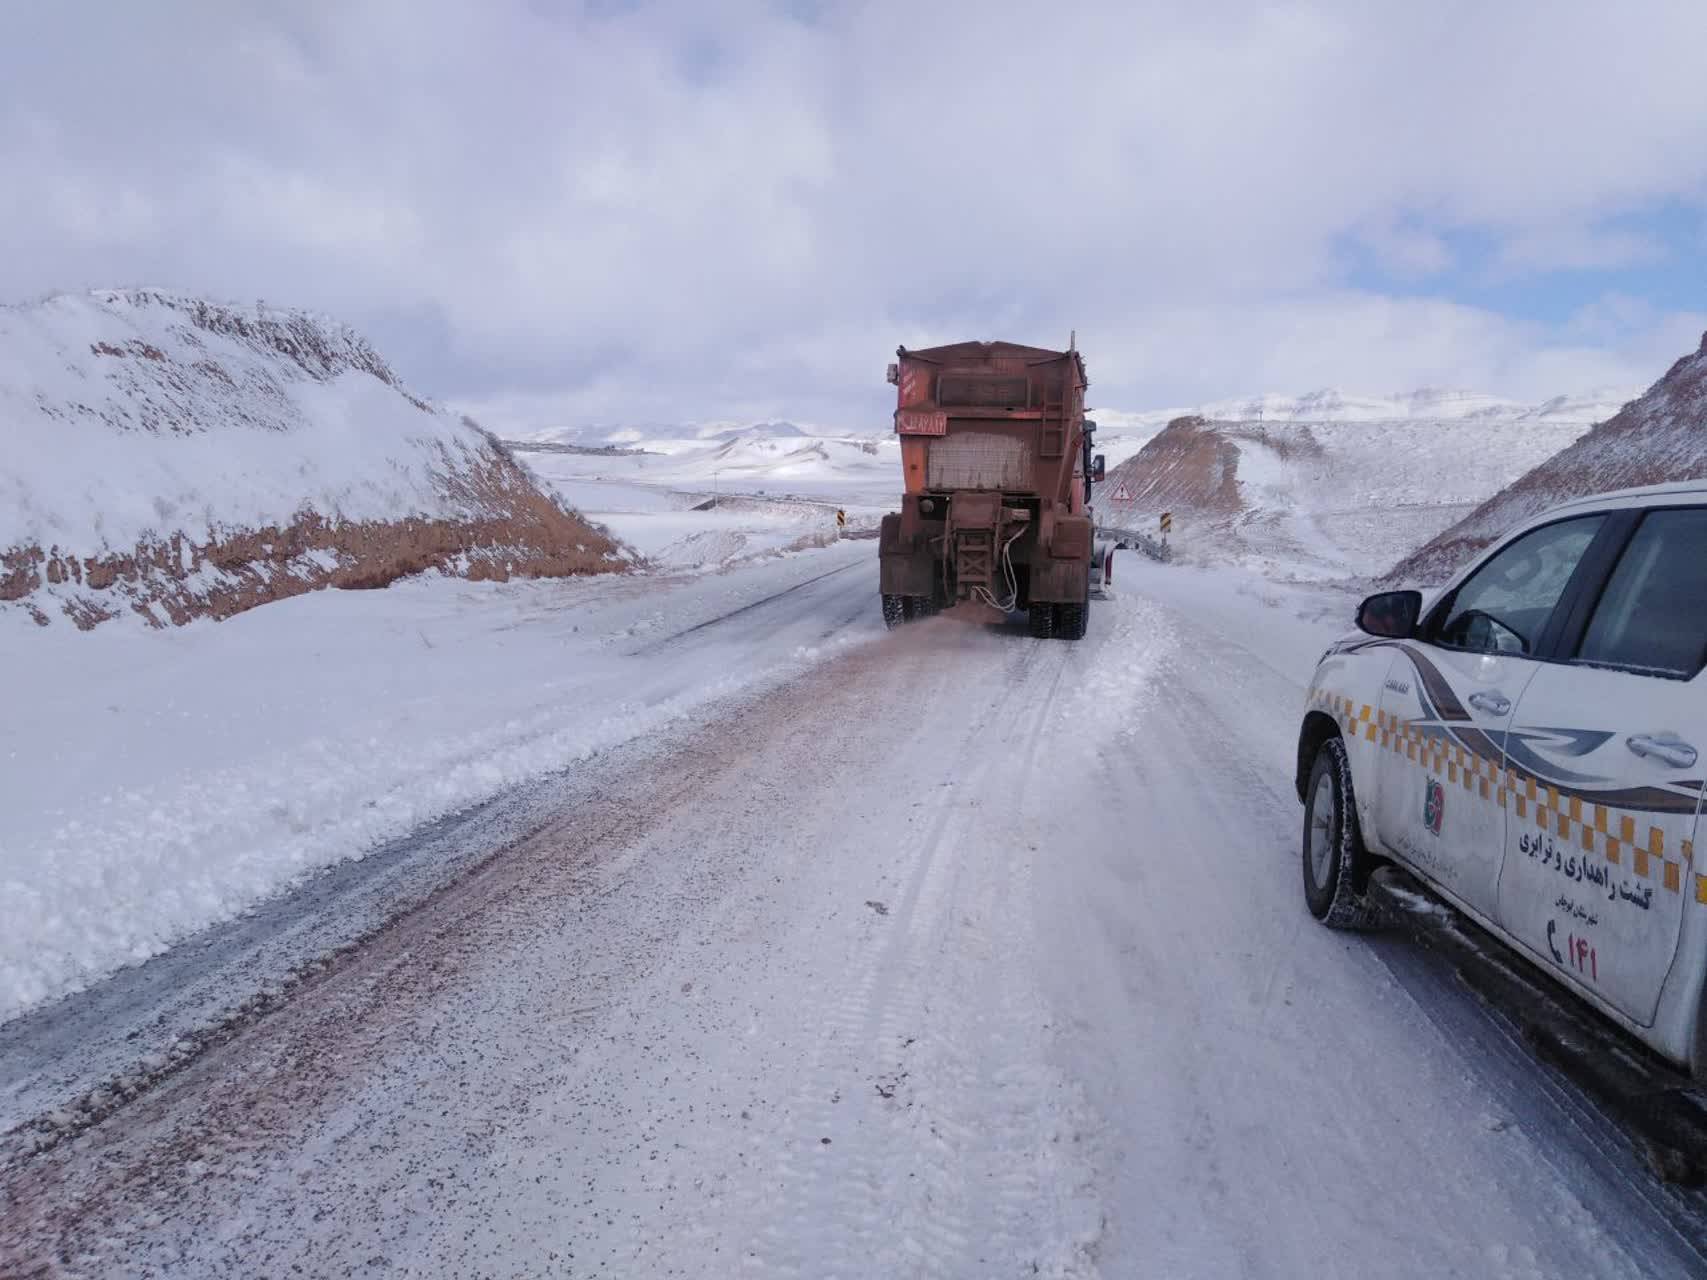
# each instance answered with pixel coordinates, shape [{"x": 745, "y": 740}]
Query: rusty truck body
[{"x": 997, "y": 465}]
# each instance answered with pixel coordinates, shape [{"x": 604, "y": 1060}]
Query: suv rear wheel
[{"x": 1335, "y": 861}]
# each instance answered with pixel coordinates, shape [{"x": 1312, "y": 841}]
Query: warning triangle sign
[{"x": 1122, "y": 493}]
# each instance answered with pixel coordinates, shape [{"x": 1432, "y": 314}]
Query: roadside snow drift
[
  {"x": 159, "y": 783},
  {"x": 1322, "y": 499},
  {"x": 182, "y": 459},
  {"x": 1661, "y": 436}
]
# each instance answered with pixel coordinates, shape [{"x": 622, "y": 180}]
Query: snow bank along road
[
  {"x": 152, "y": 785},
  {"x": 958, "y": 954}
]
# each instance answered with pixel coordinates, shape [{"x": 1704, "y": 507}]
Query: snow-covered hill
[
  {"x": 1328, "y": 498},
  {"x": 181, "y": 458},
  {"x": 1661, "y": 436}
]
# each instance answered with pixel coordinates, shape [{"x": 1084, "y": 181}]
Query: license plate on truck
[{"x": 921, "y": 422}]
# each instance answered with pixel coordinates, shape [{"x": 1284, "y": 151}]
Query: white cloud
[
  {"x": 709, "y": 207},
  {"x": 1575, "y": 249}
]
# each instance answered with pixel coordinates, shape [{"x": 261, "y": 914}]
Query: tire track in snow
[
  {"x": 867, "y": 1015},
  {"x": 935, "y": 1161}
]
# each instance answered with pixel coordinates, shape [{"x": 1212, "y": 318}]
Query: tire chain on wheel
[
  {"x": 1042, "y": 621},
  {"x": 894, "y": 612},
  {"x": 1349, "y": 907}
]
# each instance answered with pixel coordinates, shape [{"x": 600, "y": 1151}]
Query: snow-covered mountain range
[
  {"x": 1341, "y": 484},
  {"x": 1120, "y": 432},
  {"x": 1429, "y": 404}
]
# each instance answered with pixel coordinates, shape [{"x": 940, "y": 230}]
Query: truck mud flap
[
  {"x": 902, "y": 570},
  {"x": 1060, "y": 581},
  {"x": 1662, "y": 1110}
]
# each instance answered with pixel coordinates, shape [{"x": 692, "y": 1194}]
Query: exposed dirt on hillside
[
  {"x": 1191, "y": 464},
  {"x": 511, "y": 530}
]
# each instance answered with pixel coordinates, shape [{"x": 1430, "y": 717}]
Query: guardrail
[{"x": 1153, "y": 547}]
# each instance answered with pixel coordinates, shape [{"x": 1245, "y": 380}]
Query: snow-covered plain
[
  {"x": 864, "y": 469},
  {"x": 689, "y": 528}
]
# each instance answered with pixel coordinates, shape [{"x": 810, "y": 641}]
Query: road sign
[
  {"x": 1167, "y": 521},
  {"x": 841, "y": 518},
  {"x": 1122, "y": 493}
]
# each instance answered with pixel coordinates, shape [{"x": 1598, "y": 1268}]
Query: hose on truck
[{"x": 1007, "y": 559}]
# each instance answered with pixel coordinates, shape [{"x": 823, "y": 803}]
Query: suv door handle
[
  {"x": 1495, "y": 704},
  {"x": 1668, "y": 747}
]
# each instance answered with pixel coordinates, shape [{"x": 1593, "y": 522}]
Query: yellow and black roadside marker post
[
  {"x": 841, "y": 521},
  {"x": 1167, "y": 526}
]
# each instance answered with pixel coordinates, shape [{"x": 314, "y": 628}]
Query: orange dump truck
[{"x": 996, "y": 455}]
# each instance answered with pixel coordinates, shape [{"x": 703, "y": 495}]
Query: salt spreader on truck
[{"x": 997, "y": 463}]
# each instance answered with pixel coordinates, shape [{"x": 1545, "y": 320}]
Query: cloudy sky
[{"x": 618, "y": 210}]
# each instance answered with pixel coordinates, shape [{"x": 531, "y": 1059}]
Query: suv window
[
  {"x": 1652, "y": 617},
  {"x": 1502, "y": 607}
]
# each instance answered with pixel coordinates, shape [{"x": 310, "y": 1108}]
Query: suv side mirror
[
  {"x": 1392, "y": 615},
  {"x": 1099, "y": 465}
]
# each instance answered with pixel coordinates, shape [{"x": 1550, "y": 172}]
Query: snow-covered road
[{"x": 959, "y": 954}]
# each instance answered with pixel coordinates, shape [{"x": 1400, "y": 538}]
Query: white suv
[{"x": 1528, "y": 747}]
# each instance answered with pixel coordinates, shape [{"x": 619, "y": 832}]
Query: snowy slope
[
  {"x": 1662, "y": 436},
  {"x": 1327, "y": 498},
  {"x": 184, "y": 458}
]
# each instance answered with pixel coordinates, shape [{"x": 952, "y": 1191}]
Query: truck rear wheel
[
  {"x": 1042, "y": 620},
  {"x": 894, "y": 611},
  {"x": 1071, "y": 621}
]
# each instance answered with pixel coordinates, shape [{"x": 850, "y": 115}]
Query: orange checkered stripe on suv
[{"x": 1623, "y": 837}]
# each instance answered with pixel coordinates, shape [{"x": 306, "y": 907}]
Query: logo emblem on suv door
[{"x": 1434, "y": 805}]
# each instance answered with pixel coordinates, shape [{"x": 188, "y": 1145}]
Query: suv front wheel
[{"x": 1335, "y": 861}]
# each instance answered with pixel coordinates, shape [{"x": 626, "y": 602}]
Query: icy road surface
[{"x": 959, "y": 954}]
